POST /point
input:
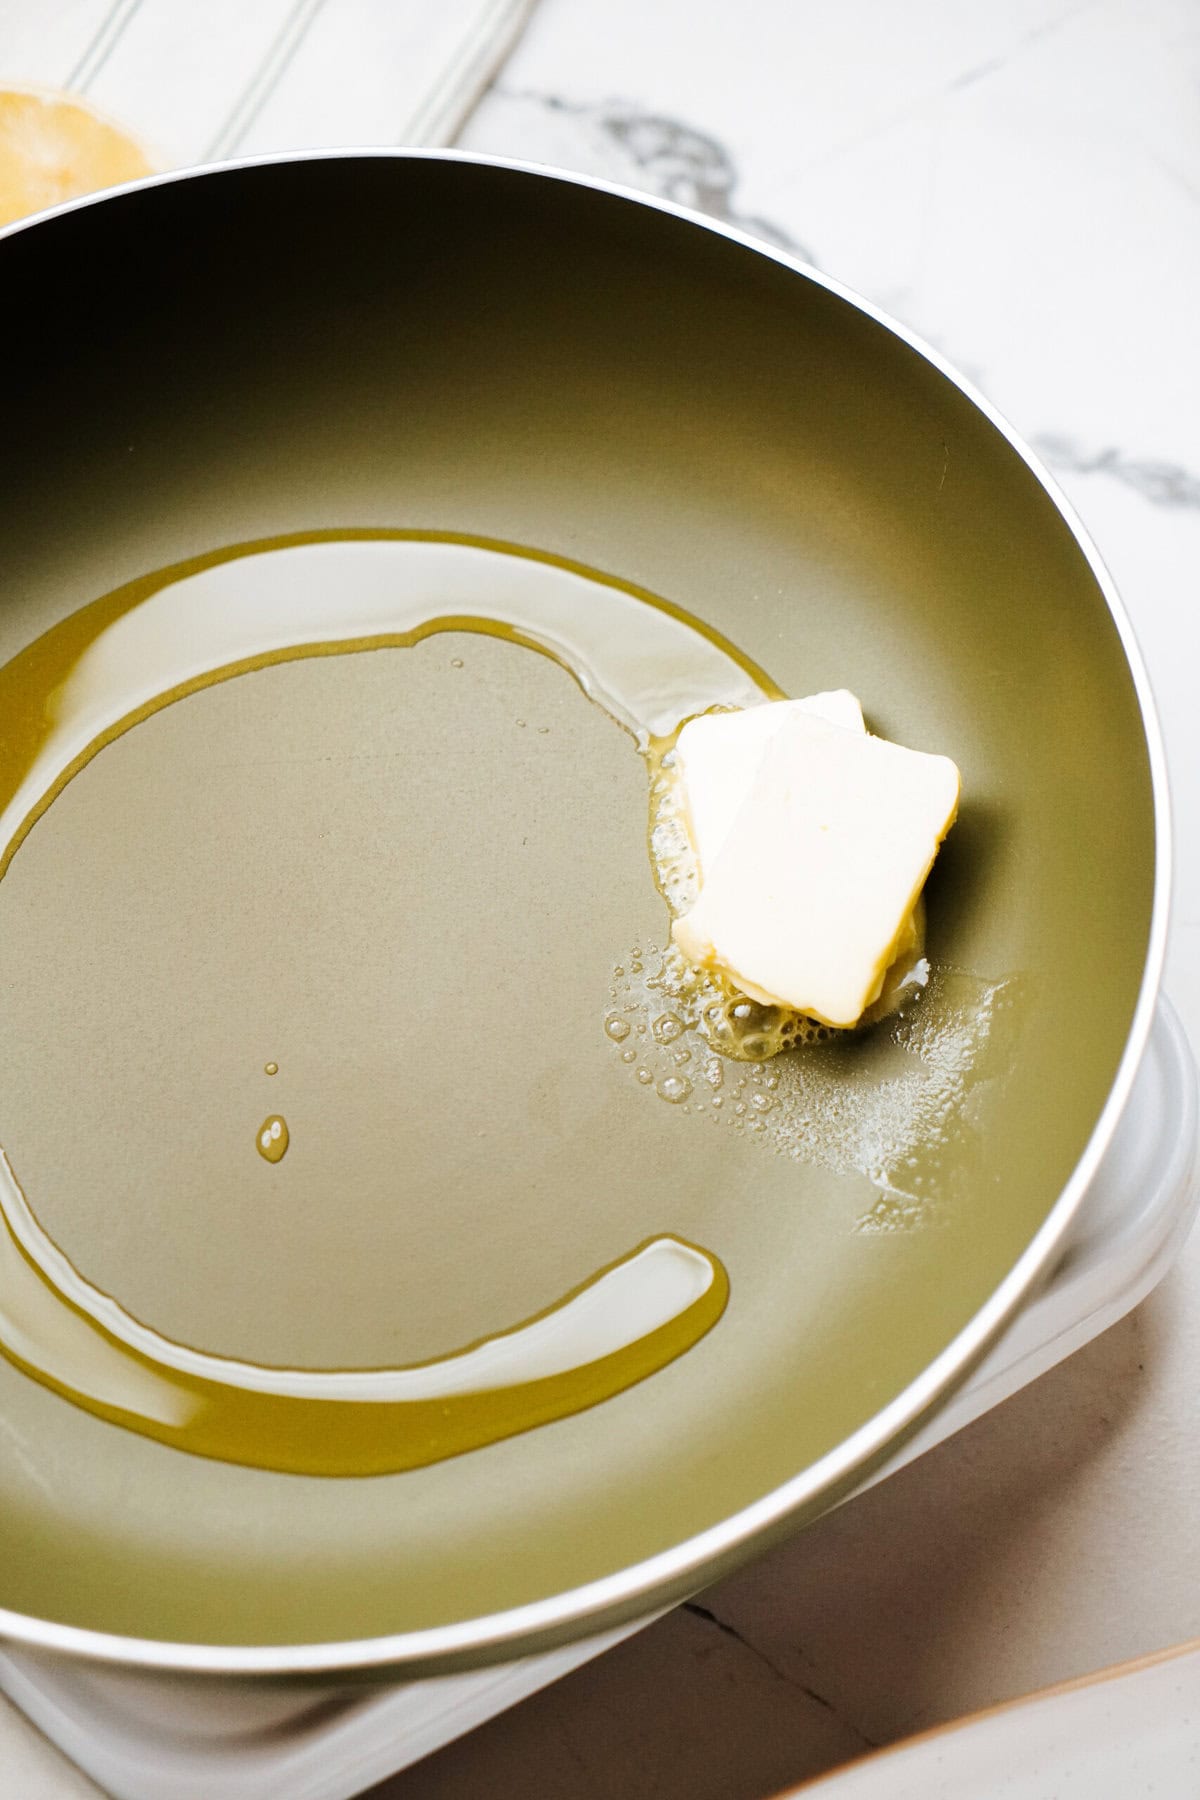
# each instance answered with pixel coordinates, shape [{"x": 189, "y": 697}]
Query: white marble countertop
[{"x": 1020, "y": 184}]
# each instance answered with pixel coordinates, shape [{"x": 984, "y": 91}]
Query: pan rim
[{"x": 648, "y": 1587}]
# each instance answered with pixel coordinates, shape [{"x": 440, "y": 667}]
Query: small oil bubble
[
  {"x": 674, "y": 1088},
  {"x": 667, "y": 1027},
  {"x": 629, "y": 1056},
  {"x": 616, "y": 1027},
  {"x": 273, "y": 1139},
  {"x": 543, "y": 731},
  {"x": 761, "y": 1103},
  {"x": 456, "y": 662},
  {"x": 645, "y": 1077},
  {"x": 681, "y": 1056},
  {"x": 521, "y": 724},
  {"x": 271, "y": 1068}
]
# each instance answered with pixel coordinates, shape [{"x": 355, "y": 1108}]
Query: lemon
[{"x": 54, "y": 147}]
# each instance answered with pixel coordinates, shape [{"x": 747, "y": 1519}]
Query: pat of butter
[
  {"x": 717, "y": 756},
  {"x": 811, "y": 889}
]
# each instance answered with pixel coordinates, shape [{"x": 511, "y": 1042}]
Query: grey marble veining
[
  {"x": 1162, "y": 483},
  {"x": 624, "y": 142}
]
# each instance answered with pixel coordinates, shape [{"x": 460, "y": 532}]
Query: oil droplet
[
  {"x": 456, "y": 662},
  {"x": 629, "y": 1056},
  {"x": 667, "y": 1027},
  {"x": 273, "y": 1139},
  {"x": 616, "y": 1027},
  {"x": 674, "y": 1088},
  {"x": 271, "y": 1068},
  {"x": 521, "y": 724},
  {"x": 543, "y": 731},
  {"x": 645, "y": 1077},
  {"x": 761, "y": 1102}
]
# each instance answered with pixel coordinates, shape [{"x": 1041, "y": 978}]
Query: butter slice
[
  {"x": 717, "y": 756},
  {"x": 813, "y": 886}
]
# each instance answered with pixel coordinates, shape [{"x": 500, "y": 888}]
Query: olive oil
[
  {"x": 273, "y": 1139},
  {"x": 114, "y": 664},
  {"x": 621, "y": 1325}
]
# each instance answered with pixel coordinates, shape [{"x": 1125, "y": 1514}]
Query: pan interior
[{"x": 408, "y": 875}]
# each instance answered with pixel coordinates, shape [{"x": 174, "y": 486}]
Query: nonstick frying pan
[{"x": 408, "y": 874}]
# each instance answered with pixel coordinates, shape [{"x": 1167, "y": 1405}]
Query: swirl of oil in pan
[{"x": 115, "y": 663}]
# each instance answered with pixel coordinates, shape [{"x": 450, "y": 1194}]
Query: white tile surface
[{"x": 1021, "y": 184}]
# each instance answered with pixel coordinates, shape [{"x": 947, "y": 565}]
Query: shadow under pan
[{"x": 364, "y": 869}]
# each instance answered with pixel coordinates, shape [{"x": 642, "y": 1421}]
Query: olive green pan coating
[{"x": 361, "y": 868}]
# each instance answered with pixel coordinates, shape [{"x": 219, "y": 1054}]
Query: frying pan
[{"x": 407, "y": 875}]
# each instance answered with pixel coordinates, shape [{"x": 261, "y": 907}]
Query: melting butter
[{"x": 731, "y": 1022}]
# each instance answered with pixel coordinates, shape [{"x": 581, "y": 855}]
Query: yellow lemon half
[{"x": 54, "y": 147}]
